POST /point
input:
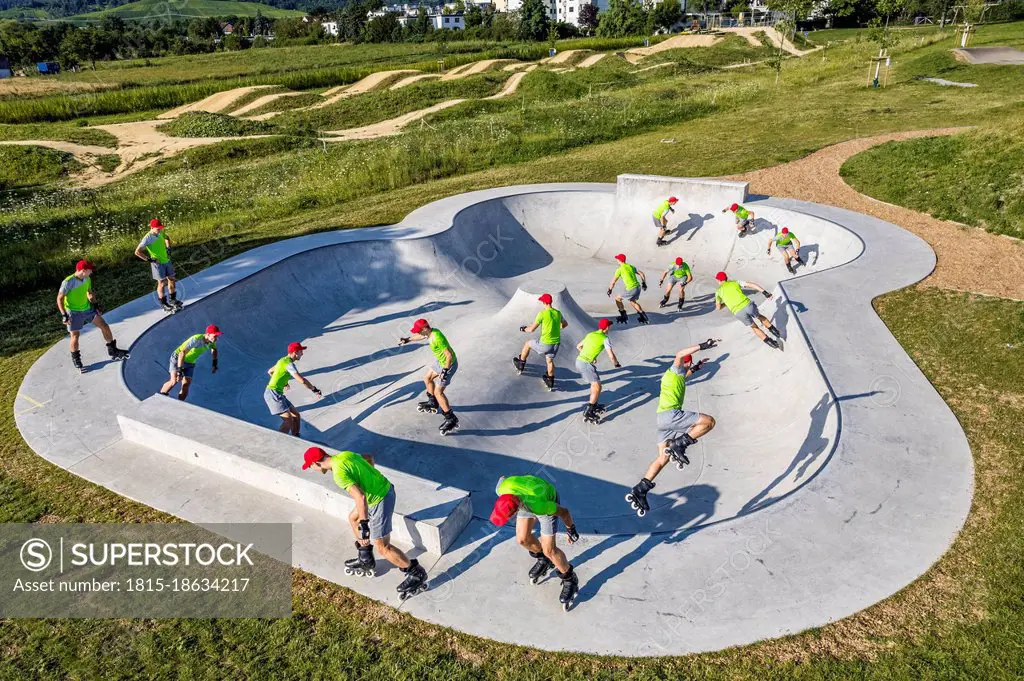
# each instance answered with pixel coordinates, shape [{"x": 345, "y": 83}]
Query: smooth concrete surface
[
  {"x": 426, "y": 515},
  {"x": 835, "y": 475},
  {"x": 1007, "y": 56}
]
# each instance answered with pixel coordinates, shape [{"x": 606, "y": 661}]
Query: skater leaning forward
[
  {"x": 744, "y": 218},
  {"x": 374, "y": 498},
  {"x": 678, "y": 274},
  {"x": 634, "y": 280},
  {"x": 182, "y": 366},
  {"x": 534, "y": 501},
  {"x": 155, "y": 249},
  {"x": 78, "y": 306},
  {"x": 730, "y": 293},
  {"x": 661, "y": 217},
  {"x": 677, "y": 427},
  {"x": 439, "y": 375},
  {"x": 283, "y": 371},
  {"x": 551, "y": 323},
  {"x": 789, "y": 246},
  {"x": 586, "y": 363}
]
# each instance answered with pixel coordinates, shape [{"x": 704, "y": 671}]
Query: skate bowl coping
[
  {"x": 650, "y": 189},
  {"x": 427, "y": 515}
]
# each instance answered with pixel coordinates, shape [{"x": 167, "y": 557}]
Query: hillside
[{"x": 152, "y": 9}]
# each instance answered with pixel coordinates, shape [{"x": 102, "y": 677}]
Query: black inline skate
[
  {"x": 415, "y": 580},
  {"x": 570, "y": 587},
  {"x": 167, "y": 307},
  {"x": 541, "y": 568},
  {"x": 623, "y": 317},
  {"x": 364, "y": 565},
  {"x": 642, "y": 318},
  {"x": 682, "y": 301},
  {"x": 676, "y": 450},
  {"x": 116, "y": 353},
  {"x": 637, "y": 497},
  {"x": 451, "y": 423},
  {"x": 428, "y": 406},
  {"x": 591, "y": 414},
  {"x": 519, "y": 365},
  {"x": 76, "y": 361},
  {"x": 664, "y": 302},
  {"x": 549, "y": 382}
]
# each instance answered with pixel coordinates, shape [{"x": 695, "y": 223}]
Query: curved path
[
  {"x": 215, "y": 103},
  {"x": 812, "y": 499}
]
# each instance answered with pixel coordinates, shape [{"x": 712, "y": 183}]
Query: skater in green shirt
[
  {"x": 789, "y": 246},
  {"x": 586, "y": 363},
  {"x": 550, "y": 322},
  {"x": 183, "y": 360},
  {"x": 744, "y": 218},
  {"x": 78, "y": 306},
  {"x": 730, "y": 294},
  {"x": 439, "y": 375},
  {"x": 678, "y": 274},
  {"x": 661, "y": 218},
  {"x": 283, "y": 371},
  {"x": 534, "y": 501},
  {"x": 155, "y": 248},
  {"x": 371, "y": 517},
  {"x": 634, "y": 280},
  {"x": 677, "y": 427}
]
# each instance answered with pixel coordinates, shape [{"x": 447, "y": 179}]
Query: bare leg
[
  {"x": 757, "y": 331},
  {"x": 551, "y": 366},
  {"x": 618, "y": 304},
  {"x": 286, "y": 423},
  {"x": 658, "y": 463},
  {"x": 428, "y": 381},
  {"x": 168, "y": 386},
  {"x": 74, "y": 340},
  {"x": 295, "y": 421},
  {"x": 526, "y": 351},
  {"x": 172, "y": 285},
  {"x": 183, "y": 392},
  {"x": 160, "y": 288},
  {"x": 595, "y": 392},
  {"x": 104, "y": 328},
  {"x": 524, "y": 535},
  {"x": 636, "y": 306},
  {"x": 554, "y": 554},
  {"x": 390, "y": 553},
  {"x": 704, "y": 424},
  {"x": 442, "y": 399}
]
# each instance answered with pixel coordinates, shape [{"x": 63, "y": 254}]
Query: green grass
[
  {"x": 32, "y": 166},
  {"x": 78, "y": 134},
  {"x": 203, "y": 124},
  {"x": 108, "y": 162},
  {"x": 159, "y": 9},
  {"x": 733, "y": 49},
  {"x": 976, "y": 178}
]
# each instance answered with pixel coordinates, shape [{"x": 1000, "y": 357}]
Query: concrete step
[{"x": 427, "y": 515}]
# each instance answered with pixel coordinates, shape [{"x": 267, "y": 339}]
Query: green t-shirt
[
  {"x": 673, "y": 389},
  {"x": 438, "y": 344},
  {"x": 76, "y": 294},
  {"x": 679, "y": 271},
  {"x": 156, "y": 246},
  {"x": 284, "y": 370},
  {"x": 742, "y": 213},
  {"x": 194, "y": 348},
  {"x": 663, "y": 208},
  {"x": 550, "y": 321},
  {"x": 593, "y": 343},
  {"x": 784, "y": 239},
  {"x": 350, "y": 469},
  {"x": 732, "y": 296},
  {"x": 628, "y": 274},
  {"x": 537, "y": 494}
]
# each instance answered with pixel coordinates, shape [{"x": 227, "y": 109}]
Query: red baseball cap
[
  {"x": 621, "y": 257},
  {"x": 82, "y": 265},
  {"x": 603, "y": 324},
  {"x": 687, "y": 359},
  {"x": 679, "y": 261},
  {"x": 546, "y": 299},
  {"x": 673, "y": 199},
  {"x": 734, "y": 206},
  {"x": 504, "y": 507},
  {"x": 721, "y": 276},
  {"x": 313, "y": 455},
  {"x": 295, "y": 347},
  {"x": 155, "y": 224},
  {"x": 212, "y": 328},
  {"x": 785, "y": 230},
  {"x": 418, "y": 325}
]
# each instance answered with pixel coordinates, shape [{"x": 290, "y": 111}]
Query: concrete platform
[
  {"x": 835, "y": 475},
  {"x": 1006, "y": 56}
]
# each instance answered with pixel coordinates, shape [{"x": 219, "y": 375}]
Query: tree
[
  {"x": 534, "y": 22},
  {"x": 421, "y": 26},
  {"x": 474, "y": 16},
  {"x": 588, "y": 18},
  {"x": 622, "y": 18},
  {"x": 383, "y": 29},
  {"x": 74, "y": 49},
  {"x": 792, "y": 10},
  {"x": 667, "y": 14},
  {"x": 260, "y": 24}
]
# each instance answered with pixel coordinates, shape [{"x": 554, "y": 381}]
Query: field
[
  {"x": 176, "y": 9},
  {"x": 691, "y": 117}
]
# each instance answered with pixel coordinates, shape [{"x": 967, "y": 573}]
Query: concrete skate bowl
[
  {"x": 1007, "y": 56},
  {"x": 479, "y": 281}
]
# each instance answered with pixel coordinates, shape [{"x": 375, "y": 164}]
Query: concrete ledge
[
  {"x": 427, "y": 516},
  {"x": 690, "y": 190}
]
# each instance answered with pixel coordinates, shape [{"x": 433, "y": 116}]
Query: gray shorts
[
  {"x": 379, "y": 516},
  {"x": 675, "y": 423},
  {"x": 588, "y": 371},
  {"x": 745, "y": 224},
  {"x": 276, "y": 402},
  {"x": 632, "y": 294},
  {"x": 791, "y": 250},
  {"x": 451, "y": 373},
  {"x": 161, "y": 270},
  {"x": 748, "y": 315},
  {"x": 544, "y": 348},
  {"x": 657, "y": 222},
  {"x": 80, "y": 319},
  {"x": 548, "y": 523},
  {"x": 187, "y": 368},
  {"x": 677, "y": 280}
]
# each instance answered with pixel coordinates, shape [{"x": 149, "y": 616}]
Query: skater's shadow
[
  {"x": 698, "y": 507},
  {"x": 96, "y": 366},
  {"x": 404, "y": 314},
  {"x": 342, "y": 394},
  {"x": 762, "y": 225},
  {"x": 491, "y": 536},
  {"x": 807, "y": 250},
  {"x": 781, "y": 319},
  {"x": 690, "y": 226},
  {"x": 356, "y": 362},
  {"x": 693, "y": 307},
  {"x": 708, "y": 371}
]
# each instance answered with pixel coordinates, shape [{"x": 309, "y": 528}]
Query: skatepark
[{"x": 810, "y": 500}]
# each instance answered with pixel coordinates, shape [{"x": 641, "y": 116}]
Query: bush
[{"x": 202, "y": 124}]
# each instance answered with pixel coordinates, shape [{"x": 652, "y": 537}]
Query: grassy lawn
[
  {"x": 32, "y": 166},
  {"x": 60, "y": 132},
  {"x": 963, "y": 619},
  {"x": 154, "y": 9}
]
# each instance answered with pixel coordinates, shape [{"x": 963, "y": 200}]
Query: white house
[
  {"x": 454, "y": 22},
  {"x": 569, "y": 10},
  {"x": 330, "y": 28}
]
